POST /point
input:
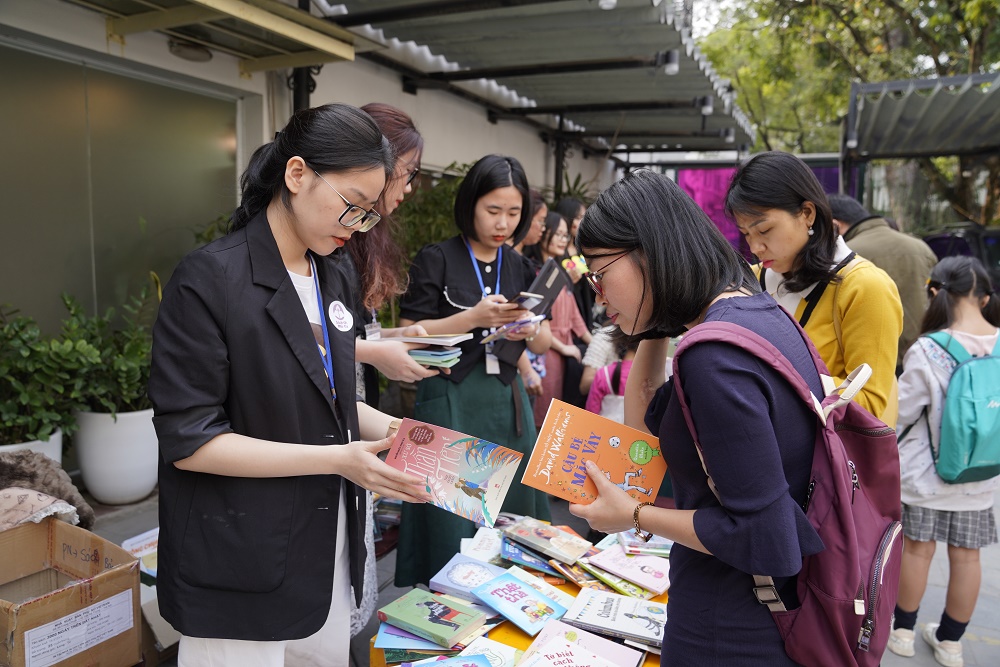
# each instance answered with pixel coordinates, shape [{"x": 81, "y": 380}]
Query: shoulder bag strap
[{"x": 616, "y": 379}]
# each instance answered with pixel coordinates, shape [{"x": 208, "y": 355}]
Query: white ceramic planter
[
  {"x": 118, "y": 459},
  {"x": 51, "y": 447}
]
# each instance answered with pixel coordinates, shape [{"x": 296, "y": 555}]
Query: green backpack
[{"x": 969, "y": 449}]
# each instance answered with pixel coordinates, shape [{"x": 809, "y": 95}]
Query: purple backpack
[{"x": 848, "y": 590}]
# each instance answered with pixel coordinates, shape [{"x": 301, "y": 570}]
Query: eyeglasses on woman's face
[
  {"x": 595, "y": 279},
  {"x": 412, "y": 175},
  {"x": 354, "y": 214}
]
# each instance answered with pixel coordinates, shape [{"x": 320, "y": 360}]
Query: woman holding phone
[{"x": 466, "y": 284}]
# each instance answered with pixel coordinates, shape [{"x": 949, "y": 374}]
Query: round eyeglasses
[{"x": 354, "y": 214}]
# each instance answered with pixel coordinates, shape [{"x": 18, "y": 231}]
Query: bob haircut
[
  {"x": 783, "y": 181},
  {"x": 331, "y": 138},
  {"x": 488, "y": 174},
  {"x": 551, "y": 225},
  {"x": 955, "y": 278},
  {"x": 684, "y": 257}
]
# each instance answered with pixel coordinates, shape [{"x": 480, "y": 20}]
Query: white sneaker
[
  {"x": 901, "y": 642},
  {"x": 947, "y": 653}
]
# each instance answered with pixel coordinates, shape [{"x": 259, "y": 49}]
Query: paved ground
[{"x": 981, "y": 642}]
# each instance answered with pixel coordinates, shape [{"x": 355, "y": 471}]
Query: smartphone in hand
[{"x": 527, "y": 300}]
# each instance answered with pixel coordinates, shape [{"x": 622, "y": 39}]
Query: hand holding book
[{"x": 613, "y": 509}]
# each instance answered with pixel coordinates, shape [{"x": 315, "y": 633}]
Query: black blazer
[{"x": 233, "y": 351}]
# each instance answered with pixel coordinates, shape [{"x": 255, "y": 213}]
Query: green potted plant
[
  {"x": 42, "y": 384},
  {"x": 116, "y": 445}
]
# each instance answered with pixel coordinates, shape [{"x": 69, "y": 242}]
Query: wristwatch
[{"x": 393, "y": 427}]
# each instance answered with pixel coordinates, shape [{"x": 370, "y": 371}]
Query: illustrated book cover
[
  {"x": 619, "y": 585},
  {"x": 466, "y": 476},
  {"x": 570, "y": 436},
  {"x": 515, "y": 553},
  {"x": 618, "y": 616},
  {"x": 431, "y": 617},
  {"x": 542, "y": 586},
  {"x": 499, "y": 655},
  {"x": 484, "y": 545},
  {"x": 558, "y": 651},
  {"x": 633, "y": 544},
  {"x": 613, "y": 652},
  {"x": 650, "y": 572},
  {"x": 547, "y": 539},
  {"x": 579, "y": 576},
  {"x": 520, "y": 603},
  {"x": 461, "y": 574}
]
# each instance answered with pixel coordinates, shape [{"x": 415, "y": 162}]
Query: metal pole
[
  {"x": 560, "y": 157},
  {"x": 301, "y": 79}
]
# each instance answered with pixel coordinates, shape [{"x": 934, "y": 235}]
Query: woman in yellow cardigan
[{"x": 849, "y": 307}]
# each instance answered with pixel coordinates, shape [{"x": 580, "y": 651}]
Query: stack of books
[{"x": 440, "y": 351}]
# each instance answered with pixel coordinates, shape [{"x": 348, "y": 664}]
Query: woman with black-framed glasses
[
  {"x": 660, "y": 267},
  {"x": 265, "y": 452}
]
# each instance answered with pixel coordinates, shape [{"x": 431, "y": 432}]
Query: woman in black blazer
[{"x": 264, "y": 450}]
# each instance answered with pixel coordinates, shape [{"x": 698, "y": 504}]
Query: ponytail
[
  {"x": 330, "y": 138},
  {"x": 955, "y": 278}
]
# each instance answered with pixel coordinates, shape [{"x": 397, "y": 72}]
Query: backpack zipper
[
  {"x": 873, "y": 432},
  {"x": 881, "y": 556},
  {"x": 854, "y": 479},
  {"x": 809, "y": 494}
]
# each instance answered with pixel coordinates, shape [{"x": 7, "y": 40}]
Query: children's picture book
[
  {"x": 515, "y": 553},
  {"x": 650, "y": 572},
  {"x": 520, "y": 603},
  {"x": 144, "y": 547},
  {"x": 499, "y": 655},
  {"x": 547, "y": 539},
  {"x": 389, "y": 636},
  {"x": 607, "y": 541},
  {"x": 466, "y": 476},
  {"x": 454, "y": 661},
  {"x": 547, "y": 284},
  {"x": 461, "y": 574},
  {"x": 405, "y": 656},
  {"x": 560, "y": 652},
  {"x": 511, "y": 327},
  {"x": 642, "y": 647},
  {"x": 542, "y": 586},
  {"x": 618, "y": 615},
  {"x": 439, "y": 357},
  {"x": 633, "y": 544},
  {"x": 617, "y": 584},
  {"x": 571, "y": 436},
  {"x": 446, "y": 340},
  {"x": 613, "y": 652},
  {"x": 430, "y": 617},
  {"x": 484, "y": 545}
]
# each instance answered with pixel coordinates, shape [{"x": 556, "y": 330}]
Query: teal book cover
[
  {"x": 526, "y": 607},
  {"x": 515, "y": 553},
  {"x": 465, "y": 475}
]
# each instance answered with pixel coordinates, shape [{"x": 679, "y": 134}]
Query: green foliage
[
  {"x": 43, "y": 381},
  {"x": 575, "y": 189},
  {"x": 428, "y": 216},
  {"x": 213, "y": 229},
  {"x": 118, "y": 383}
]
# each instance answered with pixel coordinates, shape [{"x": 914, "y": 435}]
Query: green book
[
  {"x": 614, "y": 581},
  {"x": 432, "y": 617}
]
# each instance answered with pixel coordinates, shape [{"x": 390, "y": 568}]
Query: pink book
[
  {"x": 613, "y": 652},
  {"x": 650, "y": 572}
]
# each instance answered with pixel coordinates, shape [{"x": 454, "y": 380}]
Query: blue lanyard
[
  {"x": 327, "y": 359},
  {"x": 479, "y": 275}
]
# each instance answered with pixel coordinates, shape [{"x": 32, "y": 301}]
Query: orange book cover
[{"x": 571, "y": 436}]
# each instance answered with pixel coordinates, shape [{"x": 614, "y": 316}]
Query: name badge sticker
[{"x": 341, "y": 317}]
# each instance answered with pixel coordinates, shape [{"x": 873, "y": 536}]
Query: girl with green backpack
[{"x": 959, "y": 337}]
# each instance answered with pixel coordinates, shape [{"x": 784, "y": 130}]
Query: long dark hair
[
  {"x": 488, "y": 174},
  {"x": 552, "y": 220},
  {"x": 783, "y": 181},
  {"x": 955, "y": 278},
  {"x": 684, "y": 257},
  {"x": 330, "y": 138},
  {"x": 379, "y": 257},
  {"x": 569, "y": 208}
]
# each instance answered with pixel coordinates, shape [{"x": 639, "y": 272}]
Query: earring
[{"x": 811, "y": 231}]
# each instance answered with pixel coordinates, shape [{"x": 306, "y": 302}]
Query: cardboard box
[{"x": 67, "y": 597}]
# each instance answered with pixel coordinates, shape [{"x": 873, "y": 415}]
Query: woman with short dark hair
[
  {"x": 660, "y": 267},
  {"x": 849, "y": 307},
  {"x": 466, "y": 284}
]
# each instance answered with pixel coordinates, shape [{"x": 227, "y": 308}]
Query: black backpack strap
[
  {"x": 616, "y": 379},
  {"x": 763, "y": 284},
  {"x": 817, "y": 293}
]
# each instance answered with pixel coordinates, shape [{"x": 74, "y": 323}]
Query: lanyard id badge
[
  {"x": 492, "y": 362},
  {"x": 373, "y": 331}
]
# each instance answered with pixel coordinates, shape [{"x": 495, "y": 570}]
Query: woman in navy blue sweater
[{"x": 660, "y": 267}]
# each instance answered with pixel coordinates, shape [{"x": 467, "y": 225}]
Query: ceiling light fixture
[
  {"x": 707, "y": 105},
  {"x": 189, "y": 51},
  {"x": 729, "y": 135},
  {"x": 607, "y": 4}
]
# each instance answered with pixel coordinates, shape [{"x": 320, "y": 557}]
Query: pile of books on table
[{"x": 521, "y": 573}]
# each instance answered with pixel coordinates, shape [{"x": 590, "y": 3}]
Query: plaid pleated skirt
[{"x": 970, "y": 530}]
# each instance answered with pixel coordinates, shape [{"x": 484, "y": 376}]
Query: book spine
[{"x": 604, "y": 630}]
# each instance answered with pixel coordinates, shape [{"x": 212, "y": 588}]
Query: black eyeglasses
[
  {"x": 354, "y": 214},
  {"x": 594, "y": 279},
  {"x": 413, "y": 174}
]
